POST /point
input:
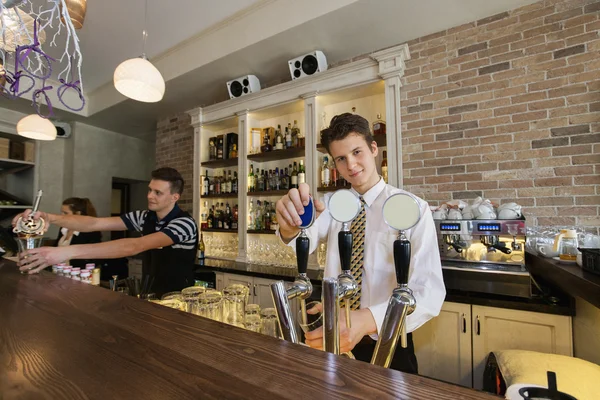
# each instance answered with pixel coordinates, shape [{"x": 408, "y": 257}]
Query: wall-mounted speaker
[
  {"x": 63, "y": 129},
  {"x": 308, "y": 64},
  {"x": 242, "y": 86}
]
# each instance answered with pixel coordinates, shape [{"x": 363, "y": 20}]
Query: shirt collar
[
  {"x": 171, "y": 215},
  {"x": 372, "y": 193},
  {"x": 64, "y": 231}
]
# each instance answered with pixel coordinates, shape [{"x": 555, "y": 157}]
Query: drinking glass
[
  {"x": 190, "y": 297},
  {"x": 235, "y": 298},
  {"x": 269, "y": 322},
  {"x": 252, "y": 309},
  {"x": 27, "y": 243},
  {"x": 253, "y": 323},
  {"x": 313, "y": 321},
  {"x": 210, "y": 305}
]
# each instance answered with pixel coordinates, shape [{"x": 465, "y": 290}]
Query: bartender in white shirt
[{"x": 349, "y": 141}]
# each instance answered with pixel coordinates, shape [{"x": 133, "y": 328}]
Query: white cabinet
[
  {"x": 454, "y": 346},
  {"x": 443, "y": 345},
  {"x": 503, "y": 329},
  {"x": 260, "y": 288}
]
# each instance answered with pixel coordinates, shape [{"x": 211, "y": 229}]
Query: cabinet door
[
  {"x": 262, "y": 292},
  {"x": 230, "y": 279},
  {"x": 443, "y": 345},
  {"x": 504, "y": 329},
  {"x": 219, "y": 281}
]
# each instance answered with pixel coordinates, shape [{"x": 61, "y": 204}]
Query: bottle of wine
[
  {"x": 301, "y": 173},
  {"x": 384, "y": 167},
  {"x": 379, "y": 126},
  {"x": 251, "y": 182},
  {"x": 234, "y": 224},
  {"x": 205, "y": 185},
  {"x": 325, "y": 172},
  {"x": 234, "y": 183},
  {"x": 288, "y": 138},
  {"x": 201, "y": 249},
  {"x": 266, "y": 147},
  {"x": 294, "y": 184}
]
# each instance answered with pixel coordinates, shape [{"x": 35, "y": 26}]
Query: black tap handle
[
  {"x": 402, "y": 260},
  {"x": 345, "y": 247},
  {"x": 500, "y": 246},
  {"x": 302, "y": 248}
]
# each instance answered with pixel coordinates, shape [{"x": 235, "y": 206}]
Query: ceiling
[{"x": 198, "y": 45}]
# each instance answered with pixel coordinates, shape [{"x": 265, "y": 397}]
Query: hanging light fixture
[
  {"x": 77, "y": 9},
  {"x": 35, "y": 127},
  {"x": 18, "y": 28},
  {"x": 137, "y": 78}
]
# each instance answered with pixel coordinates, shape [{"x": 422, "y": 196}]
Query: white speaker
[
  {"x": 308, "y": 64},
  {"x": 243, "y": 86},
  {"x": 63, "y": 129}
]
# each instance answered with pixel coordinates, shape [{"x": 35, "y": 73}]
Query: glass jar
[
  {"x": 59, "y": 270},
  {"x": 190, "y": 298},
  {"x": 234, "y": 305},
  {"x": 269, "y": 322},
  {"x": 86, "y": 277},
  {"x": 253, "y": 309},
  {"x": 253, "y": 322},
  {"x": 75, "y": 275},
  {"x": 210, "y": 305},
  {"x": 66, "y": 271}
]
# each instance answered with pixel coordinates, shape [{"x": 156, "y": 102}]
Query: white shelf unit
[{"x": 371, "y": 85}]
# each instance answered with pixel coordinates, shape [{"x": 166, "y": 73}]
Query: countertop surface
[{"x": 63, "y": 339}]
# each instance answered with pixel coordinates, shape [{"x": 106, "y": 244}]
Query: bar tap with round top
[
  {"x": 400, "y": 211},
  {"x": 301, "y": 288},
  {"x": 344, "y": 207}
]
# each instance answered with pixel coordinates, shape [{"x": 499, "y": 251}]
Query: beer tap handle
[
  {"x": 347, "y": 307},
  {"x": 302, "y": 248},
  {"x": 345, "y": 248},
  {"x": 402, "y": 260}
]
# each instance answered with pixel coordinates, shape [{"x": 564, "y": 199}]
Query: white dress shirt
[
  {"x": 379, "y": 274},
  {"x": 64, "y": 240}
]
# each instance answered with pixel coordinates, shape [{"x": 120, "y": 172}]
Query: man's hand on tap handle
[
  {"x": 363, "y": 324},
  {"x": 291, "y": 206}
]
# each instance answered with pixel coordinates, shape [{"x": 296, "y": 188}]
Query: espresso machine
[{"x": 484, "y": 255}]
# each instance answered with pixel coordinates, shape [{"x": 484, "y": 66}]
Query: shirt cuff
[{"x": 378, "y": 311}]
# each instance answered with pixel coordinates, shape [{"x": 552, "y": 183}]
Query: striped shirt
[{"x": 182, "y": 230}]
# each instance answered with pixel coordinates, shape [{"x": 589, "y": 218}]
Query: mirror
[
  {"x": 344, "y": 205},
  {"x": 401, "y": 211},
  {"x": 309, "y": 215}
]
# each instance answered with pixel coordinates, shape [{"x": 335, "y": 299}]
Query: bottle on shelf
[
  {"x": 288, "y": 138},
  {"x": 284, "y": 179},
  {"x": 201, "y": 249},
  {"x": 296, "y": 135},
  {"x": 211, "y": 186},
  {"x": 379, "y": 126},
  {"x": 234, "y": 223},
  {"x": 266, "y": 216},
  {"x": 229, "y": 183},
  {"x": 234, "y": 183},
  {"x": 251, "y": 180},
  {"x": 325, "y": 172},
  {"x": 260, "y": 185},
  {"x": 279, "y": 139},
  {"x": 233, "y": 153},
  {"x": 333, "y": 174},
  {"x": 299, "y": 133},
  {"x": 205, "y": 185},
  {"x": 294, "y": 184},
  {"x": 384, "y": 167},
  {"x": 251, "y": 220},
  {"x": 274, "y": 223},
  {"x": 204, "y": 216},
  {"x": 212, "y": 148},
  {"x": 221, "y": 218},
  {"x": 258, "y": 216},
  {"x": 211, "y": 218},
  {"x": 301, "y": 173},
  {"x": 226, "y": 217},
  {"x": 220, "y": 147},
  {"x": 266, "y": 147}
]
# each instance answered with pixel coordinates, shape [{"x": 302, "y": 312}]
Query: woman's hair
[{"x": 83, "y": 205}]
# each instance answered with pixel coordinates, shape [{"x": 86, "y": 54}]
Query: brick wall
[
  {"x": 175, "y": 148},
  {"x": 508, "y": 108}
]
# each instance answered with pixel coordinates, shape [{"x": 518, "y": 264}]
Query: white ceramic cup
[
  {"x": 507, "y": 213},
  {"x": 440, "y": 214},
  {"x": 579, "y": 258},
  {"x": 454, "y": 214},
  {"x": 547, "y": 250}
]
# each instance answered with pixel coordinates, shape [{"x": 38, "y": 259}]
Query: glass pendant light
[
  {"x": 77, "y": 9},
  {"x": 35, "y": 127},
  {"x": 137, "y": 78}
]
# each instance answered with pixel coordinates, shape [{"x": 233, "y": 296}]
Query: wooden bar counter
[{"x": 62, "y": 339}]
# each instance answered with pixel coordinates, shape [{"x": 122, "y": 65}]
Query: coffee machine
[{"x": 484, "y": 256}]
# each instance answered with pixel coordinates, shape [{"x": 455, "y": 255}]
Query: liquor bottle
[
  {"x": 212, "y": 148},
  {"x": 260, "y": 185},
  {"x": 234, "y": 183},
  {"x": 251, "y": 220},
  {"x": 266, "y": 147},
  {"x": 294, "y": 184},
  {"x": 220, "y": 148},
  {"x": 205, "y": 185},
  {"x": 211, "y": 186},
  {"x": 298, "y": 134},
  {"x": 234, "y": 223},
  {"x": 384, "y": 167},
  {"x": 274, "y": 223},
  {"x": 325, "y": 172},
  {"x": 284, "y": 182},
  {"x": 217, "y": 186},
  {"x": 333, "y": 175},
  {"x": 277, "y": 179},
  {"x": 301, "y": 173},
  {"x": 221, "y": 219},
  {"x": 211, "y": 217},
  {"x": 267, "y": 217},
  {"x": 251, "y": 181},
  {"x": 258, "y": 216},
  {"x": 229, "y": 183},
  {"x": 201, "y": 249},
  {"x": 226, "y": 221},
  {"x": 279, "y": 139},
  {"x": 233, "y": 153},
  {"x": 379, "y": 126},
  {"x": 288, "y": 138},
  {"x": 204, "y": 216}
]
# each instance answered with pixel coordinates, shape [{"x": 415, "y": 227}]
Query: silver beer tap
[
  {"x": 344, "y": 206},
  {"x": 301, "y": 288},
  {"x": 29, "y": 226},
  {"x": 401, "y": 211}
]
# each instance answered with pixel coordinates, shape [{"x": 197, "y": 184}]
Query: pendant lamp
[
  {"x": 77, "y": 9},
  {"x": 138, "y": 79},
  {"x": 35, "y": 127}
]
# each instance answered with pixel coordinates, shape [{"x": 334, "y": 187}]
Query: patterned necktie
[{"x": 358, "y": 252}]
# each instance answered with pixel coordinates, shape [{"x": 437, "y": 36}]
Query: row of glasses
[
  {"x": 272, "y": 253},
  {"x": 221, "y": 246}
]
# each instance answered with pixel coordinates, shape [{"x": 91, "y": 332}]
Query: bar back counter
[{"x": 63, "y": 339}]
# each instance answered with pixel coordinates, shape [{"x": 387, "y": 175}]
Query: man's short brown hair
[
  {"x": 170, "y": 175},
  {"x": 344, "y": 124}
]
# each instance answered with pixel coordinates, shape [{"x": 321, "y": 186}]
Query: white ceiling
[{"x": 198, "y": 45}]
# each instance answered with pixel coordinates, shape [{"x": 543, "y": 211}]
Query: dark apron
[{"x": 172, "y": 269}]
